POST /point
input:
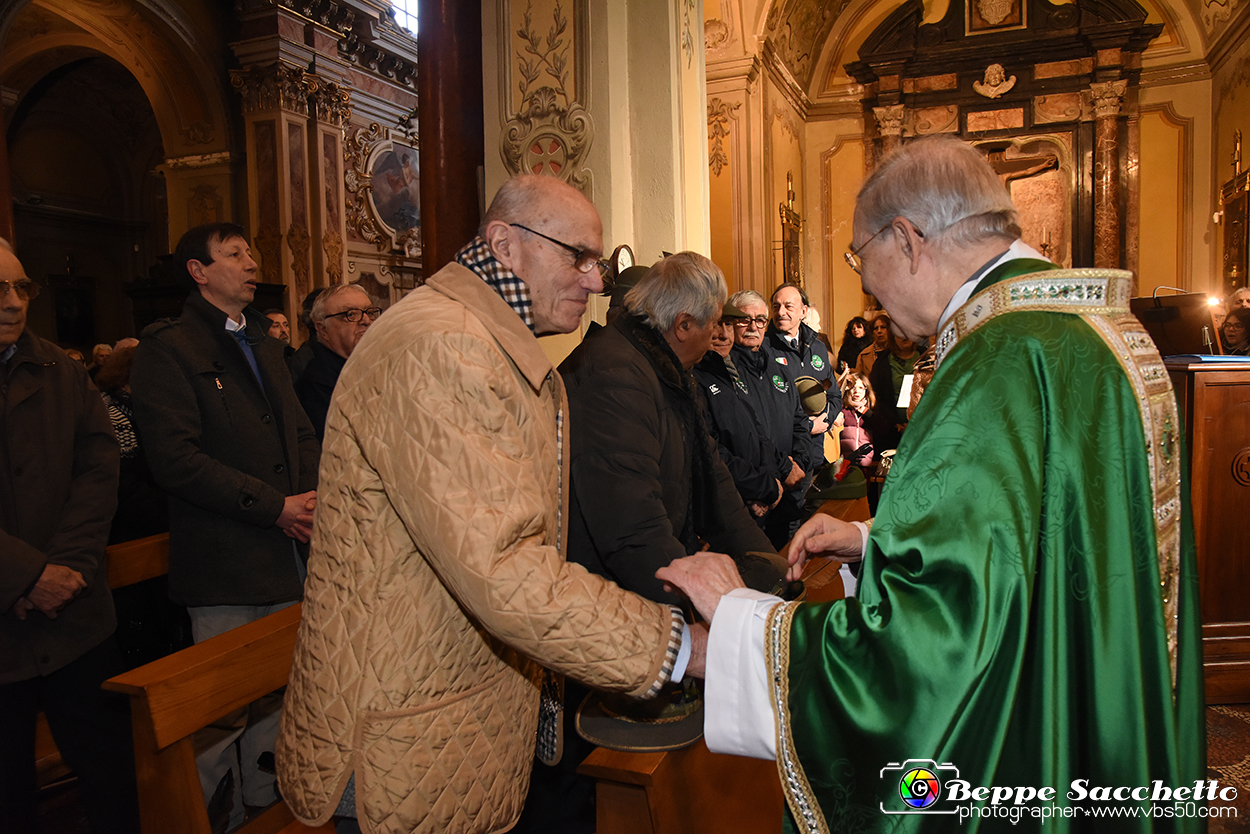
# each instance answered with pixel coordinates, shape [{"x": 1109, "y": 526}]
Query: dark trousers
[
  {"x": 560, "y": 801},
  {"x": 91, "y": 729}
]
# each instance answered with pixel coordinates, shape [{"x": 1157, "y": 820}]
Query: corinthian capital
[
  {"x": 275, "y": 87},
  {"x": 1107, "y": 97},
  {"x": 889, "y": 119}
]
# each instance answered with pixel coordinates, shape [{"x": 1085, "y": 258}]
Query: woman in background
[{"x": 854, "y": 340}]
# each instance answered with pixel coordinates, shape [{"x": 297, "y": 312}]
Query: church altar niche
[{"x": 1047, "y": 91}]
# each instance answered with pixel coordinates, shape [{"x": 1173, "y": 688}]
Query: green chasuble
[{"x": 1027, "y": 613}]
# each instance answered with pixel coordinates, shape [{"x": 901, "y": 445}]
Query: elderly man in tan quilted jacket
[{"x": 437, "y": 586}]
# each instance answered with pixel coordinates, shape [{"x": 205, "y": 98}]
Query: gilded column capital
[
  {"x": 1106, "y": 98},
  {"x": 890, "y": 119},
  {"x": 332, "y": 103},
  {"x": 274, "y": 87}
]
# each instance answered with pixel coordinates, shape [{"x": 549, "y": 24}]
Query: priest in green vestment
[{"x": 1024, "y": 649}]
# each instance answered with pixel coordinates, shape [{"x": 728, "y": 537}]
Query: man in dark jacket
[
  {"x": 770, "y": 388},
  {"x": 648, "y": 484},
  {"x": 58, "y": 490},
  {"x": 805, "y": 355},
  {"x": 226, "y": 438},
  {"x": 340, "y": 316},
  {"x": 758, "y": 469}
]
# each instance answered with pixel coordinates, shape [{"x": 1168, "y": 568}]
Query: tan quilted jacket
[{"x": 437, "y": 571}]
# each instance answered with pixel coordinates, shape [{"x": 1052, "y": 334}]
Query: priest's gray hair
[
  {"x": 683, "y": 283},
  {"x": 945, "y": 187},
  {"x": 742, "y": 297}
]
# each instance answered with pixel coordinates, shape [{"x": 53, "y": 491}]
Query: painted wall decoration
[{"x": 382, "y": 178}]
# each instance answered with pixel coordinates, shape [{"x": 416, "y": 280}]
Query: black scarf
[{"x": 682, "y": 396}]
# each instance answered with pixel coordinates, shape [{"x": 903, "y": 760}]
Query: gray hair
[
  {"x": 742, "y": 297},
  {"x": 683, "y": 283},
  {"x": 318, "y": 313},
  {"x": 945, "y": 187}
]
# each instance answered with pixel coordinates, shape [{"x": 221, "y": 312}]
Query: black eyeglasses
[
  {"x": 26, "y": 289},
  {"x": 759, "y": 321},
  {"x": 354, "y": 315},
  {"x": 583, "y": 259}
]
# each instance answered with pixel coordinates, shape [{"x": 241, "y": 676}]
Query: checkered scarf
[{"x": 476, "y": 256}]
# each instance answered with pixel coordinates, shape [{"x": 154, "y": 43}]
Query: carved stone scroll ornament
[
  {"x": 268, "y": 242},
  {"x": 275, "y": 87},
  {"x": 297, "y": 240},
  {"x": 995, "y": 83},
  {"x": 718, "y": 115},
  {"x": 549, "y": 138},
  {"x": 1106, "y": 97},
  {"x": 358, "y": 182},
  {"x": 332, "y": 244}
]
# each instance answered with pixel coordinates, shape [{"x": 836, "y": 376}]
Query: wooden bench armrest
[
  {"x": 135, "y": 561},
  {"x": 194, "y": 687}
]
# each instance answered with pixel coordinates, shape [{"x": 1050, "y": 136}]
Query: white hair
[
  {"x": 945, "y": 187},
  {"x": 318, "y": 313},
  {"x": 683, "y": 283}
]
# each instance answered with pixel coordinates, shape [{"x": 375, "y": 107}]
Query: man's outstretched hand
[{"x": 704, "y": 578}]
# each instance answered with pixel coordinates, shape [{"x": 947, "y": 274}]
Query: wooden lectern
[
  {"x": 693, "y": 790},
  {"x": 1214, "y": 403}
]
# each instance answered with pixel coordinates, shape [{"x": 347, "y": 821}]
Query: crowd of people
[{"x": 481, "y": 539}]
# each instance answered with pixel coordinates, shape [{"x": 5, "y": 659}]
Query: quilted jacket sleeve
[{"x": 450, "y": 427}]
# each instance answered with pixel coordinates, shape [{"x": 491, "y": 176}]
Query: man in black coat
[
  {"x": 226, "y": 438},
  {"x": 758, "y": 469},
  {"x": 340, "y": 316},
  {"x": 805, "y": 355},
  {"x": 58, "y": 490},
  {"x": 770, "y": 387},
  {"x": 648, "y": 484}
]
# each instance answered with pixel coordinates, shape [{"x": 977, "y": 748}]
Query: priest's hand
[
  {"x": 704, "y": 578},
  {"x": 823, "y": 535}
]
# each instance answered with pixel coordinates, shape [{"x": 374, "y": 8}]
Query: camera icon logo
[{"x": 919, "y": 785}]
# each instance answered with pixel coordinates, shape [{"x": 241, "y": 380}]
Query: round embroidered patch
[
  {"x": 818, "y": 363},
  {"x": 779, "y": 382}
]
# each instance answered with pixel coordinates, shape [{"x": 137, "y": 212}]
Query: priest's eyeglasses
[
  {"x": 584, "y": 260},
  {"x": 852, "y": 254},
  {"x": 25, "y": 288},
  {"x": 355, "y": 315}
]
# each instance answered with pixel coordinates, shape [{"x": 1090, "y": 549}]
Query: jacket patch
[
  {"x": 742, "y": 386},
  {"x": 779, "y": 382},
  {"x": 714, "y": 388},
  {"x": 818, "y": 363},
  {"x": 781, "y": 360}
]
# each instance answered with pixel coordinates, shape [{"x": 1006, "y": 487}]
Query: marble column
[
  {"x": 331, "y": 106},
  {"x": 275, "y": 109},
  {"x": 889, "y": 126},
  {"x": 1106, "y": 98}
]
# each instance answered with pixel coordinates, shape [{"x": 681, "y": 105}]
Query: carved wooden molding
[
  {"x": 890, "y": 119},
  {"x": 268, "y": 244},
  {"x": 332, "y": 245},
  {"x": 298, "y": 241},
  {"x": 331, "y": 102}
]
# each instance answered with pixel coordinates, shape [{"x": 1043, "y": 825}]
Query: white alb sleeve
[{"x": 738, "y": 712}]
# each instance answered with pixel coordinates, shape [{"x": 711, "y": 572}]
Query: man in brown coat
[
  {"x": 58, "y": 490},
  {"x": 438, "y": 586}
]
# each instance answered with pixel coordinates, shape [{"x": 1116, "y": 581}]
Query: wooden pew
[
  {"x": 173, "y": 697},
  {"x": 693, "y": 790},
  {"x": 128, "y": 563}
]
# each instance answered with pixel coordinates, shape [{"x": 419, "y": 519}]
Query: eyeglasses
[
  {"x": 759, "y": 322},
  {"x": 354, "y": 315},
  {"x": 584, "y": 260},
  {"x": 852, "y": 254},
  {"x": 26, "y": 289}
]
